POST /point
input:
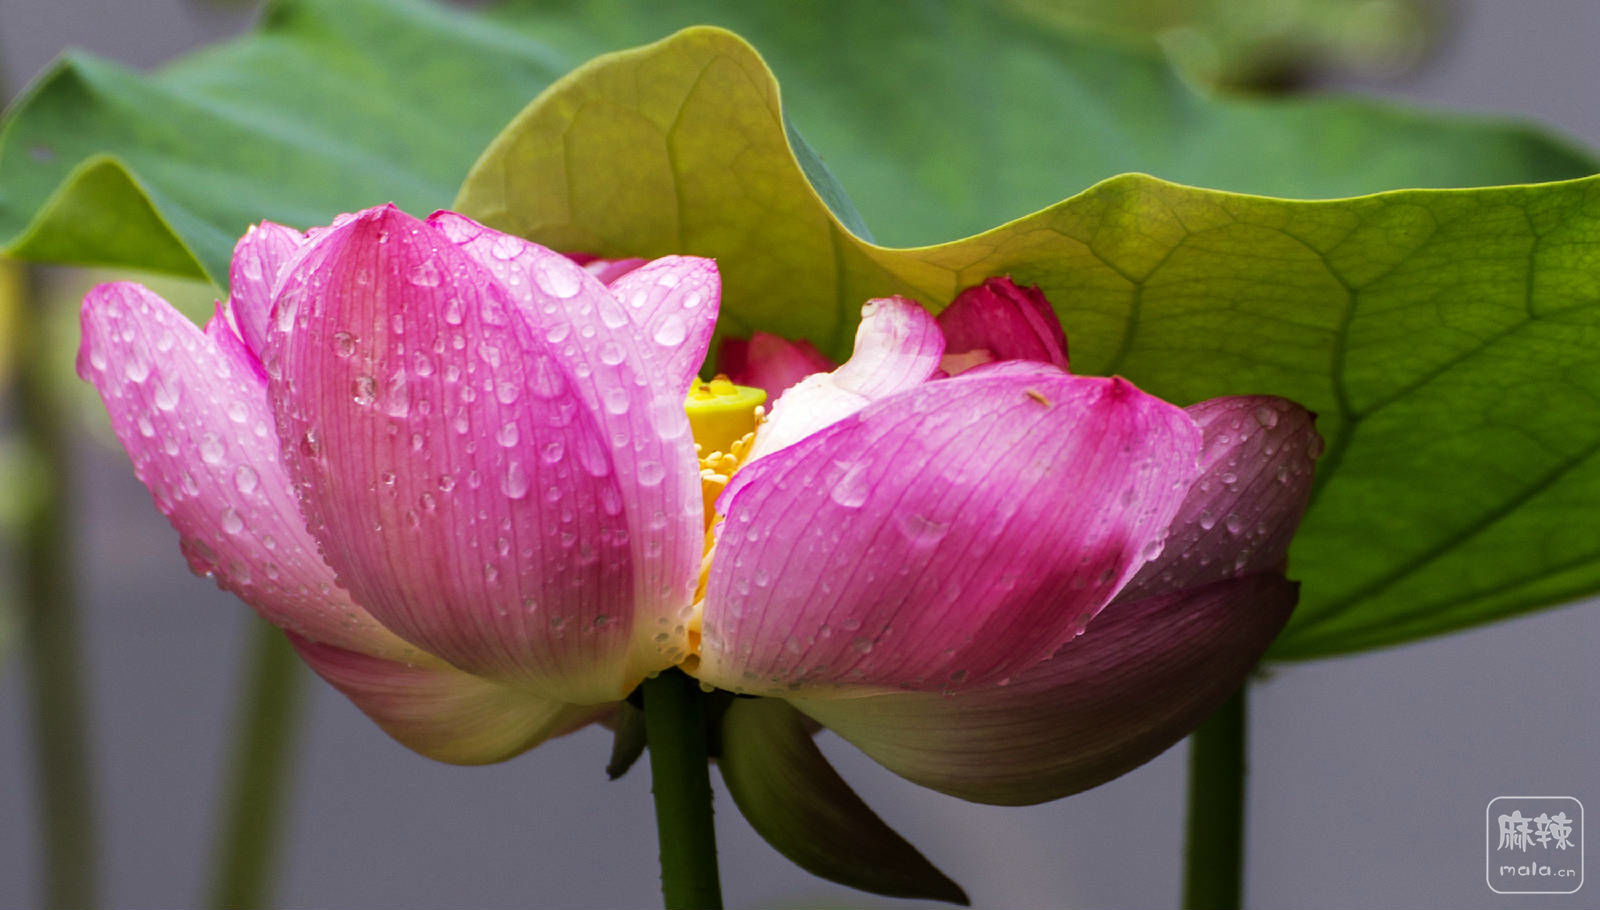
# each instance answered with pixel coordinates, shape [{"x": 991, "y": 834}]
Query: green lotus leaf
[{"x": 1447, "y": 338}]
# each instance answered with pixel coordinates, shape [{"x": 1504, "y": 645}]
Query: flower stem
[
  {"x": 680, "y": 779},
  {"x": 1214, "y": 853},
  {"x": 49, "y": 613},
  {"x": 247, "y": 847}
]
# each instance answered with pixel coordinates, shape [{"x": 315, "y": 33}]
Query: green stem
[
  {"x": 1214, "y": 854},
  {"x": 680, "y": 779},
  {"x": 246, "y": 850},
  {"x": 48, "y": 615}
]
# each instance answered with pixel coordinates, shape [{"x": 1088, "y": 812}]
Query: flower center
[{"x": 723, "y": 418}]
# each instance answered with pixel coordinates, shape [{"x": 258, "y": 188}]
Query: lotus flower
[{"x": 457, "y": 469}]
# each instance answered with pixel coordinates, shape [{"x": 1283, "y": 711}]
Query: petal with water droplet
[
  {"x": 964, "y": 527},
  {"x": 223, "y": 487}
]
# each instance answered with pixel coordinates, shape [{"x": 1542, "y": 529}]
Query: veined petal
[
  {"x": 463, "y": 476},
  {"x": 628, "y": 381},
  {"x": 1009, "y": 322},
  {"x": 191, "y": 410},
  {"x": 898, "y": 345},
  {"x": 258, "y": 261},
  {"x": 1241, "y": 512},
  {"x": 943, "y": 538},
  {"x": 1143, "y": 676},
  {"x": 441, "y": 712},
  {"x": 769, "y": 362},
  {"x": 673, "y": 303}
]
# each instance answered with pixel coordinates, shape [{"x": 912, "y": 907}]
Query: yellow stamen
[{"x": 724, "y": 418}]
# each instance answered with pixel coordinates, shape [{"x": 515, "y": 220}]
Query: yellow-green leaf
[{"x": 1449, "y": 339}]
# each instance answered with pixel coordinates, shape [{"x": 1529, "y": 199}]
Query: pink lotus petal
[
  {"x": 629, "y": 381},
  {"x": 770, "y": 362},
  {"x": 1144, "y": 675},
  {"x": 474, "y": 482},
  {"x": 441, "y": 712},
  {"x": 1240, "y": 514},
  {"x": 942, "y": 538},
  {"x": 898, "y": 345},
  {"x": 1010, "y": 322},
  {"x": 673, "y": 302},
  {"x": 258, "y": 261},
  {"x": 191, "y": 410}
]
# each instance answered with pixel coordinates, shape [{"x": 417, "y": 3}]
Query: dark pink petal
[
  {"x": 507, "y": 495},
  {"x": 673, "y": 303},
  {"x": 258, "y": 261},
  {"x": 191, "y": 410},
  {"x": 1240, "y": 514},
  {"x": 607, "y": 270},
  {"x": 770, "y": 362},
  {"x": 898, "y": 346},
  {"x": 1144, "y": 675},
  {"x": 441, "y": 712},
  {"x": 943, "y": 538},
  {"x": 1010, "y": 322}
]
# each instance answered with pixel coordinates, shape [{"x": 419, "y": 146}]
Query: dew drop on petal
[
  {"x": 507, "y": 435},
  {"x": 557, "y": 277},
  {"x": 1267, "y": 417},
  {"x": 344, "y": 344},
  {"x": 211, "y": 449},
  {"x": 245, "y": 478},
  {"x": 515, "y": 482},
  {"x": 671, "y": 332},
  {"x": 364, "y": 390},
  {"x": 231, "y": 522},
  {"x": 424, "y": 274}
]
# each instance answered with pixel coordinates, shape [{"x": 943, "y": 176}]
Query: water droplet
[
  {"x": 211, "y": 449},
  {"x": 250, "y": 265},
  {"x": 1234, "y": 524},
  {"x": 231, "y": 522},
  {"x": 671, "y": 332},
  {"x": 507, "y": 436},
  {"x": 651, "y": 473},
  {"x": 245, "y": 478},
  {"x": 491, "y": 572},
  {"x": 344, "y": 344},
  {"x": 364, "y": 390},
  {"x": 1208, "y": 520},
  {"x": 849, "y": 487},
  {"x": 515, "y": 482},
  {"x": 1267, "y": 417},
  {"x": 1315, "y": 446},
  {"x": 861, "y": 644},
  {"x": 506, "y": 247},
  {"x": 165, "y": 396},
  {"x": 921, "y": 530},
  {"x": 136, "y": 368},
  {"x": 558, "y": 277},
  {"x": 424, "y": 274},
  {"x": 611, "y": 353}
]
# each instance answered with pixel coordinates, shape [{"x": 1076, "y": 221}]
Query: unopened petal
[
  {"x": 1006, "y": 321},
  {"x": 474, "y": 488},
  {"x": 191, "y": 410},
  {"x": 441, "y": 712},
  {"x": 1240, "y": 514},
  {"x": 1144, "y": 675},
  {"x": 942, "y": 538},
  {"x": 258, "y": 262},
  {"x": 898, "y": 346}
]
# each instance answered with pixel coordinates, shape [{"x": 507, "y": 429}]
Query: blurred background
[{"x": 1370, "y": 774}]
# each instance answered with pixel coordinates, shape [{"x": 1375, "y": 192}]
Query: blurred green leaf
[
  {"x": 1450, "y": 339},
  {"x": 942, "y": 118}
]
